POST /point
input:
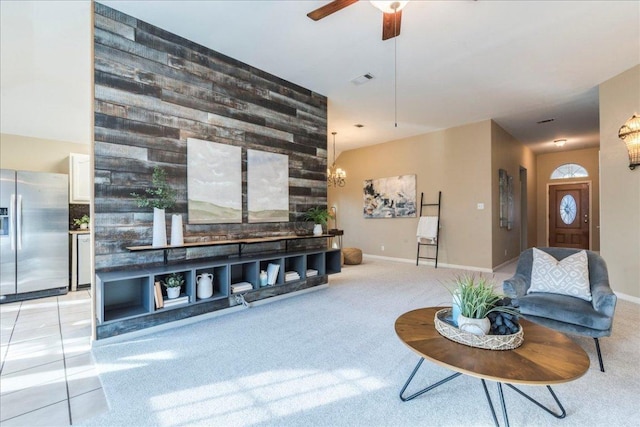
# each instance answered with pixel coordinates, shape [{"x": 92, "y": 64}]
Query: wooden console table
[{"x": 239, "y": 242}]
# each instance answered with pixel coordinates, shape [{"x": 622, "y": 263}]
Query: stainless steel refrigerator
[{"x": 34, "y": 234}]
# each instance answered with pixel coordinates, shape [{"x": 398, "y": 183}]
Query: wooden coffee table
[{"x": 546, "y": 357}]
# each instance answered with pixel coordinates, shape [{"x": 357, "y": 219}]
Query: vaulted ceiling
[{"x": 455, "y": 62}]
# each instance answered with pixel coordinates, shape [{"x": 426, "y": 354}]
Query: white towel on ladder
[{"x": 427, "y": 229}]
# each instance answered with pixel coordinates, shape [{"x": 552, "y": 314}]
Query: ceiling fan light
[{"x": 389, "y": 6}]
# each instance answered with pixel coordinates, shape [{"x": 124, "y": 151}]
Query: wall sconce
[
  {"x": 560, "y": 142},
  {"x": 630, "y": 134}
]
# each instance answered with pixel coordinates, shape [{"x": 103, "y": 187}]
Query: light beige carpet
[{"x": 331, "y": 358}]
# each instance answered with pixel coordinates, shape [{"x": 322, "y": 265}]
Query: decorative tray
[{"x": 489, "y": 342}]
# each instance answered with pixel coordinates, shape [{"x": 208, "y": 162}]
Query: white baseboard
[
  {"x": 626, "y": 297},
  {"x": 498, "y": 267},
  {"x": 430, "y": 263},
  {"x": 189, "y": 320}
]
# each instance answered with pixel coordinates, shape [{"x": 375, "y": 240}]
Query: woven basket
[{"x": 489, "y": 342}]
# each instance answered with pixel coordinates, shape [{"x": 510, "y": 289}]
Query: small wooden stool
[{"x": 352, "y": 256}]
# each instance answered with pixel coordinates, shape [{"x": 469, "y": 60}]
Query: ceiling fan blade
[
  {"x": 329, "y": 8},
  {"x": 391, "y": 25}
]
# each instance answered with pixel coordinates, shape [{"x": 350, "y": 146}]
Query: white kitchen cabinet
[{"x": 79, "y": 178}]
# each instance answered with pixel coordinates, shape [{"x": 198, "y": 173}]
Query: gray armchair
[{"x": 561, "y": 312}]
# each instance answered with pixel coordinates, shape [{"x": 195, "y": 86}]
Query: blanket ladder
[{"x": 437, "y": 242}]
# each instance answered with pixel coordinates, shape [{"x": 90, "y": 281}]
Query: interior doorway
[{"x": 569, "y": 215}]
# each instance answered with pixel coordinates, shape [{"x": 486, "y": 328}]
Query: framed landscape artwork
[
  {"x": 214, "y": 182},
  {"x": 267, "y": 186},
  {"x": 393, "y": 197}
]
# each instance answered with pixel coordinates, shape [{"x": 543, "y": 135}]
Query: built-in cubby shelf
[
  {"x": 333, "y": 262},
  {"x": 125, "y": 299},
  {"x": 125, "y": 295},
  {"x": 220, "y": 275}
]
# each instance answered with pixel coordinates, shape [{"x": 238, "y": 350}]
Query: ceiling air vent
[
  {"x": 360, "y": 80},
  {"x": 545, "y": 121}
]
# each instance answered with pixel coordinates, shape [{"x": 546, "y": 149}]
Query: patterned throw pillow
[{"x": 567, "y": 277}]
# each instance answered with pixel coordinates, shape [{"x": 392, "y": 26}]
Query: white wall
[{"x": 46, "y": 69}]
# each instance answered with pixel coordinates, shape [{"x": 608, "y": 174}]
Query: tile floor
[{"x": 47, "y": 372}]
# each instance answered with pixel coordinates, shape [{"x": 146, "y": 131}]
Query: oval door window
[{"x": 568, "y": 209}]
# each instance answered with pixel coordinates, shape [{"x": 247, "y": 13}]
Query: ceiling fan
[{"x": 392, "y": 14}]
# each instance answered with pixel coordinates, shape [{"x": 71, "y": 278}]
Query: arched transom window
[{"x": 569, "y": 170}]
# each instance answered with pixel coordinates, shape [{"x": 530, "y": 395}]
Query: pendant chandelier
[{"x": 336, "y": 177}]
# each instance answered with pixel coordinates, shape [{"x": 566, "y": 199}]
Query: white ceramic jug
[{"x": 205, "y": 285}]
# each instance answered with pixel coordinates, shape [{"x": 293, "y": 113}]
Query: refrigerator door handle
[
  {"x": 12, "y": 214},
  {"x": 19, "y": 223}
]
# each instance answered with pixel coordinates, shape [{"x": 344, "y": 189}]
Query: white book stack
[
  {"x": 311, "y": 272},
  {"x": 291, "y": 275},
  {"x": 241, "y": 287},
  {"x": 182, "y": 299}
]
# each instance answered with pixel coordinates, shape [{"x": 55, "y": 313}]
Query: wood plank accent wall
[{"x": 153, "y": 90}]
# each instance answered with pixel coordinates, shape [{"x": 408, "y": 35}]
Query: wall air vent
[{"x": 360, "y": 80}]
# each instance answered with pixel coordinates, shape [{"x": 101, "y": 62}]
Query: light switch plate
[{"x": 480, "y": 206}]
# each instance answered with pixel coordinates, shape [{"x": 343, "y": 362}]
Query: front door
[{"x": 569, "y": 215}]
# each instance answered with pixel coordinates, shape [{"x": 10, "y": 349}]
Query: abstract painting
[
  {"x": 393, "y": 197},
  {"x": 267, "y": 186},
  {"x": 214, "y": 182}
]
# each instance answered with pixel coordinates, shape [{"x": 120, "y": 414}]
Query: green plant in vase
[
  {"x": 82, "y": 222},
  {"x": 173, "y": 282},
  {"x": 320, "y": 217},
  {"x": 476, "y": 299},
  {"x": 160, "y": 196}
]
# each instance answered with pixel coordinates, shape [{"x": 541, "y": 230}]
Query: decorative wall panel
[{"x": 153, "y": 91}]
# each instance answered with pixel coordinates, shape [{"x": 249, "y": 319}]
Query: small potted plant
[
  {"x": 320, "y": 217},
  {"x": 160, "y": 196},
  {"x": 475, "y": 299},
  {"x": 83, "y": 222},
  {"x": 173, "y": 282}
]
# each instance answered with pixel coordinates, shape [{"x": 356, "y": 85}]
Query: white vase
[
  {"x": 455, "y": 306},
  {"x": 173, "y": 292},
  {"x": 264, "y": 279},
  {"x": 474, "y": 326},
  {"x": 176, "y": 230},
  {"x": 317, "y": 230},
  {"x": 204, "y": 288},
  {"x": 159, "y": 228}
]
